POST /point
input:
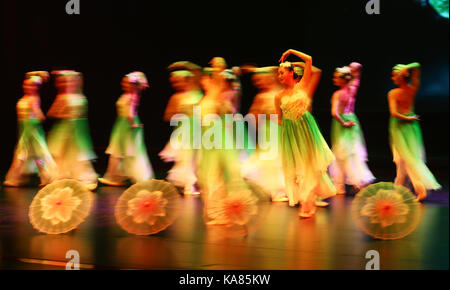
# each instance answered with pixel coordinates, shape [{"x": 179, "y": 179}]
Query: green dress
[
  {"x": 69, "y": 140},
  {"x": 127, "y": 143},
  {"x": 31, "y": 146},
  {"x": 181, "y": 149},
  {"x": 349, "y": 148},
  {"x": 219, "y": 172},
  {"x": 408, "y": 151},
  {"x": 305, "y": 153},
  {"x": 71, "y": 133}
]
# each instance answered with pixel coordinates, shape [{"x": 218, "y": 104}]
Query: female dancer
[
  {"x": 69, "y": 140},
  {"x": 31, "y": 144},
  {"x": 305, "y": 153},
  {"x": 267, "y": 172},
  {"x": 218, "y": 168},
  {"x": 405, "y": 134},
  {"x": 346, "y": 136},
  {"x": 128, "y": 157},
  {"x": 180, "y": 109}
]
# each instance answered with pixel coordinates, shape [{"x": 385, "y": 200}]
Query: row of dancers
[{"x": 305, "y": 172}]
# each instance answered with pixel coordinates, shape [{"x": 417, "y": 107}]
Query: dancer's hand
[
  {"x": 414, "y": 118},
  {"x": 285, "y": 55},
  {"x": 349, "y": 124}
]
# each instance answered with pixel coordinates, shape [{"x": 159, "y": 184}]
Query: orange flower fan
[
  {"x": 147, "y": 207},
  {"x": 240, "y": 209},
  {"x": 386, "y": 211},
  {"x": 60, "y": 206}
]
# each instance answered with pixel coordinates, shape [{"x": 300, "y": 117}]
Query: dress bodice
[
  {"x": 25, "y": 108},
  {"x": 294, "y": 105},
  {"x": 125, "y": 105}
]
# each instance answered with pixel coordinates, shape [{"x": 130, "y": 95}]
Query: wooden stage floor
[{"x": 330, "y": 240}]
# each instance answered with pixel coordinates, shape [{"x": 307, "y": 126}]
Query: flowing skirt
[
  {"x": 408, "y": 152},
  {"x": 70, "y": 144},
  {"x": 181, "y": 152},
  {"x": 349, "y": 148},
  {"x": 219, "y": 171},
  {"x": 306, "y": 157},
  {"x": 31, "y": 152},
  {"x": 265, "y": 166},
  {"x": 127, "y": 143}
]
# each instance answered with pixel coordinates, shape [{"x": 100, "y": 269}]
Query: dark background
[{"x": 111, "y": 38}]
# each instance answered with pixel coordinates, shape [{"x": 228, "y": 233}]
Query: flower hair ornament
[
  {"x": 138, "y": 78},
  {"x": 345, "y": 72}
]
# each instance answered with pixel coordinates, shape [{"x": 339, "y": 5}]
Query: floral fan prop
[
  {"x": 60, "y": 206},
  {"x": 386, "y": 211},
  {"x": 237, "y": 209},
  {"x": 147, "y": 207}
]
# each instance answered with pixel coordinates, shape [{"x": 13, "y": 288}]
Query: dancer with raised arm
[
  {"x": 404, "y": 131},
  {"x": 306, "y": 155},
  {"x": 347, "y": 138},
  {"x": 31, "y": 145},
  {"x": 128, "y": 157}
]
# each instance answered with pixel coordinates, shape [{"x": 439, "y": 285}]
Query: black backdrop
[{"x": 111, "y": 38}]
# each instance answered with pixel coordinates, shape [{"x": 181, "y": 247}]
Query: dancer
[
  {"x": 233, "y": 91},
  {"x": 180, "y": 109},
  {"x": 347, "y": 138},
  {"x": 69, "y": 140},
  {"x": 405, "y": 134},
  {"x": 306, "y": 156},
  {"x": 267, "y": 172},
  {"x": 218, "y": 168},
  {"x": 31, "y": 145},
  {"x": 128, "y": 157}
]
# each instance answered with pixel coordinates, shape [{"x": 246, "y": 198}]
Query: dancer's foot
[
  {"x": 321, "y": 203},
  {"x": 280, "y": 197},
  {"x": 91, "y": 185},
  {"x": 421, "y": 196},
  {"x": 306, "y": 214},
  {"x": 110, "y": 182},
  {"x": 190, "y": 190},
  {"x": 12, "y": 184}
]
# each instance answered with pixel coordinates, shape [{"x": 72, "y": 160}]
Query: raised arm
[
  {"x": 316, "y": 74},
  {"x": 415, "y": 74},
  {"x": 304, "y": 82}
]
